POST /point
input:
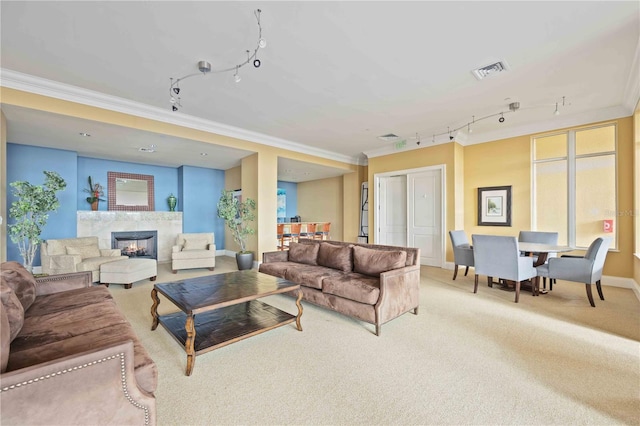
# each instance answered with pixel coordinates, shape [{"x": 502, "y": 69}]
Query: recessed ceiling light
[
  {"x": 86, "y": 135},
  {"x": 204, "y": 154}
]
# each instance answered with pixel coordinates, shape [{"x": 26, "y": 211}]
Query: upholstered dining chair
[
  {"x": 310, "y": 231},
  {"x": 587, "y": 269},
  {"x": 280, "y": 236},
  {"x": 323, "y": 232},
  {"x": 497, "y": 256},
  {"x": 462, "y": 251},
  {"x": 543, "y": 238},
  {"x": 292, "y": 235}
]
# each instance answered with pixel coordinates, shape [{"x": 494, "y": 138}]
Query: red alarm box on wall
[{"x": 607, "y": 225}]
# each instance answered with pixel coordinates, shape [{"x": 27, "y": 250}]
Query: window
[{"x": 574, "y": 185}]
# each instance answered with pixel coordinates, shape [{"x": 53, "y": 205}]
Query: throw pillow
[
  {"x": 195, "y": 244},
  {"x": 13, "y": 308},
  {"x": 373, "y": 262},
  {"x": 336, "y": 257},
  {"x": 303, "y": 253},
  {"x": 85, "y": 252},
  {"x": 21, "y": 281}
]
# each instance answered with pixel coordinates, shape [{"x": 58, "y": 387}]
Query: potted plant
[
  {"x": 31, "y": 212},
  {"x": 96, "y": 190},
  {"x": 236, "y": 215}
]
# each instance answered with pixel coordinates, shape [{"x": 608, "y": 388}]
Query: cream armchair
[
  {"x": 194, "y": 251},
  {"x": 76, "y": 255}
]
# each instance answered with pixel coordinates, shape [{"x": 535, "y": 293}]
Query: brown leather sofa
[
  {"x": 68, "y": 354},
  {"x": 373, "y": 283}
]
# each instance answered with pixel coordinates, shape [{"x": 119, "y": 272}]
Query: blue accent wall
[
  {"x": 27, "y": 163},
  {"x": 197, "y": 189},
  {"x": 292, "y": 198},
  {"x": 199, "y": 194}
]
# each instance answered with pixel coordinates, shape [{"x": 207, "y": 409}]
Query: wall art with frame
[{"x": 494, "y": 206}]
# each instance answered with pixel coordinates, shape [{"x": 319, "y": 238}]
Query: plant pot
[
  {"x": 94, "y": 205},
  {"x": 244, "y": 260}
]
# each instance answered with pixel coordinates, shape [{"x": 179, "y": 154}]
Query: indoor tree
[
  {"x": 31, "y": 212},
  {"x": 236, "y": 215}
]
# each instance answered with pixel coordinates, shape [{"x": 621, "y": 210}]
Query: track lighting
[
  {"x": 501, "y": 119},
  {"x": 556, "y": 112},
  {"x": 204, "y": 67}
]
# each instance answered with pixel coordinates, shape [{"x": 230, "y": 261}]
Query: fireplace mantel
[{"x": 102, "y": 223}]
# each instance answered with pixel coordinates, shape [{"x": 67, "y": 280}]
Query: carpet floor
[{"x": 466, "y": 358}]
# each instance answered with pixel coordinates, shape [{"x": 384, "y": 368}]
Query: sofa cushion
[
  {"x": 374, "y": 262},
  {"x": 309, "y": 275},
  {"x": 353, "y": 286},
  {"x": 71, "y": 322},
  {"x": 21, "y": 281},
  {"x": 85, "y": 252},
  {"x": 278, "y": 269},
  {"x": 303, "y": 253},
  {"x": 196, "y": 243},
  {"x": 336, "y": 257},
  {"x": 13, "y": 309}
]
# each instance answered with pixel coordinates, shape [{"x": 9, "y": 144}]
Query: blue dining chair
[
  {"x": 462, "y": 251},
  {"x": 543, "y": 238},
  {"x": 497, "y": 256},
  {"x": 587, "y": 269}
]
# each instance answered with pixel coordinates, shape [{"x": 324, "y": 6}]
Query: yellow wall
[
  {"x": 322, "y": 200},
  {"x": 508, "y": 162}
]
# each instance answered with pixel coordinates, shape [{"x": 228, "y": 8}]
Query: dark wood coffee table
[{"x": 218, "y": 310}]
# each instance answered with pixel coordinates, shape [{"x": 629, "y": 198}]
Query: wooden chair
[
  {"x": 323, "y": 234},
  {"x": 310, "y": 231},
  {"x": 280, "y": 236},
  {"x": 292, "y": 235}
]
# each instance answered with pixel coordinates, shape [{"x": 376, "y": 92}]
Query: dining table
[{"x": 542, "y": 250}]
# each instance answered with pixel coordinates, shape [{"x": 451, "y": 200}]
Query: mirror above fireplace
[{"x": 130, "y": 192}]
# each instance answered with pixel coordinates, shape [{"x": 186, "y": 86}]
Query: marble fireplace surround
[{"x": 102, "y": 223}]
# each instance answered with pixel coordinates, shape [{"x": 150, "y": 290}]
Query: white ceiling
[{"x": 334, "y": 75}]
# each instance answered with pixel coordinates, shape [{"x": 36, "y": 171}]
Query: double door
[{"x": 410, "y": 212}]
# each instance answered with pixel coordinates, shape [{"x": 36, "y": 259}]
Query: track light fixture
[
  {"x": 204, "y": 67},
  {"x": 512, "y": 107}
]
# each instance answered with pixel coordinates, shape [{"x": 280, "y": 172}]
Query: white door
[
  {"x": 393, "y": 210},
  {"x": 424, "y": 215}
]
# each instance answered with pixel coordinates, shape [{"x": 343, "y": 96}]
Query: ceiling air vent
[
  {"x": 490, "y": 70},
  {"x": 390, "y": 137}
]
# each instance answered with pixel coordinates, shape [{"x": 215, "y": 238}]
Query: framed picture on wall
[{"x": 494, "y": 206}]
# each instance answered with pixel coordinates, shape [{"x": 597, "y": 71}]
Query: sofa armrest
[
  {"x": 275, "y": 256},
  {"x": 399, "y": 292},
  {"x": 62, "y": 282},
  {"x": 211, "y": 247},
  {"x": 95, "y": 387},
  {"x": 110, "y": 252},
  {"x": 60, "y": 263}
]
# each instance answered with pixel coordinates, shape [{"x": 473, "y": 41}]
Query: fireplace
[{"x": 141, "y": 244}]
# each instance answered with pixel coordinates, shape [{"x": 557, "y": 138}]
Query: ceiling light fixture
[
  {"x": 512, "y": 107},
  {"x": 205, "y": 67},
  {"x": 86, "y": 135}
]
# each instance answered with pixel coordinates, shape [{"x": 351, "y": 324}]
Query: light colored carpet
[{"x": 464, "y": 359}]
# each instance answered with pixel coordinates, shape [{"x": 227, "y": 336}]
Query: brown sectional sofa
[
  {"x": 373, "y": 283},
  {"x": 68, "y": 354}
]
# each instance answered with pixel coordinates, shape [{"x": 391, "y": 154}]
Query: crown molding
[
  {"x": 40, "y": 86},
  {"x": 555, "y": 123}
]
